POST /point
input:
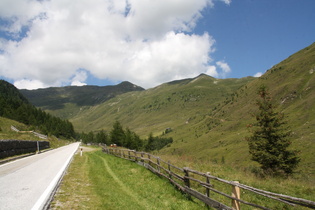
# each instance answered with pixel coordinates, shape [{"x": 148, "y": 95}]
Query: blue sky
[
  {"x": 98, "y": 42},
  {"x": 253, "y": 35}
]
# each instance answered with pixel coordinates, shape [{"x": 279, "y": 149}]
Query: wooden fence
[{"x": 201, "y": 185}]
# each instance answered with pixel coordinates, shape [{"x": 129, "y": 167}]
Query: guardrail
[
  {"x": 42, "y": 136},
  {"x": 200, "y": 185}
]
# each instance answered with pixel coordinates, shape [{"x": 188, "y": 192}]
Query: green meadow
[{"x": 96, "y": 180}]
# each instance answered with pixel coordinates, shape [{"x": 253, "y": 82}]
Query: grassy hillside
[
  {"x": 7, "y": 133},
  {"x": 169, "y": 105},
  {"x": 220, "y": 137}
]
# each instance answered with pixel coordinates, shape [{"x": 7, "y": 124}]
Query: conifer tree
[
  {"x": 117, "y": 134},
  {"x": 101, "y": 137},
  {"x": 269, "y": 142}
]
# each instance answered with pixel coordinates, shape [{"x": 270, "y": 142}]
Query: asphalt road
[{"x": 28, "y": 183}]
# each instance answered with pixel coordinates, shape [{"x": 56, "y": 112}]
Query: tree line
[
  {"x": 16, "y": 107},
  {"x": 125, "y": 138}
]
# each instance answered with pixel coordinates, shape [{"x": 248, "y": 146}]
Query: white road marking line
[{"x": 43, "y": 198}]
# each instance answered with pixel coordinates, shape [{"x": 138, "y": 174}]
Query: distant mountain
[
  {"x": 56, "y": 97},
  {"x": 65, "y": 102}
]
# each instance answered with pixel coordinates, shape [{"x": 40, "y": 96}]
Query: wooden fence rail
[{"x": 199, "y": 184}]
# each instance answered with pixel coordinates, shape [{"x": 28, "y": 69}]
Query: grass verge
[
  {"x": 301, "y": 187},
  {"x": 100, "y": 181}
]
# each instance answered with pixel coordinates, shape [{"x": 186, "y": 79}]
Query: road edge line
[{"x": 44, "y": 201}]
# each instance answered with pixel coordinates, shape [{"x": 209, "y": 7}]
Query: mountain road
[{"x": 28, "y": 183}]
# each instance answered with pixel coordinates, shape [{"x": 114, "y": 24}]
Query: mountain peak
[
  {"x": 130, "y": 86},
  {"x": 203, "y": 75}
]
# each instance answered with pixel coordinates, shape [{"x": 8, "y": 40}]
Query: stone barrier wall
[{"x": 16, "y": 147}]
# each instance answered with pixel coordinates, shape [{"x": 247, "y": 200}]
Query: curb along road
[{"x": 30, "y": 183}]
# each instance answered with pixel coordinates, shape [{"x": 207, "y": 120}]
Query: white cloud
[
  {"x": 176, "y": 56},
  {"x": 79, "y": 78},
  {"x": 155, "y": 18},
  {"x": 228, "y": 2},
  {"x": 29, "y": 84},
  {"x": 224, "y": 67},
  {"x": 145, "y": 42},
  {"x": 258, "y": 74},
  {"x": 19, "y": 13},
  {"x": 212, "y": 71}
]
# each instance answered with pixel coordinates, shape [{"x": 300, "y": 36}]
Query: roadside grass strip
[{"x": 100, "y": 181}]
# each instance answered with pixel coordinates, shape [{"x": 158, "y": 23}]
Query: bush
[{"x": 157, "y": 143}]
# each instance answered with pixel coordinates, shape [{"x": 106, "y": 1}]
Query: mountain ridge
[{"x": 57, "y": 98}]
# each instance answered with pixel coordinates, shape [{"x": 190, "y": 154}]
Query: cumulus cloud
[
  {"x": 29, "y": 84},
  {"x": 258, "y": 74},
  {"x": 145, "y": 42},
  {"x": 224, "y": 67},
  {"x": 18, "y": 14},
  {"x": 212, "y": 71}
]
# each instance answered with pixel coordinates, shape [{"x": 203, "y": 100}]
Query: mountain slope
[
  {"x": 168, "y": 105},
  {"x": 16, "y": 107},
  {"x": 66, "y": 101},
  {"x": 10, "y": 92},
  {"x": 222, "y": 134}
]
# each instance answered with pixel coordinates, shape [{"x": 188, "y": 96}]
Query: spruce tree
[
  {"x": 101, "y": 137},
  {"x": 117, "y": 134},
  {"x": 269, "y": 142}
]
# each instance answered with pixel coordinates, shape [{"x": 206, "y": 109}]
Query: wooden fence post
[
  {"x": 186, "y": 178},
  {"x": 142, "y": 157},
  {"x": 149, "y": 161},
  {"x": 208, "y": 182},
  {"x": 158, "y": 163},
  {"x": 135, "y": 154},
  {"x": 236, "y": 193},
  {"x": 169, "y": 169}
]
